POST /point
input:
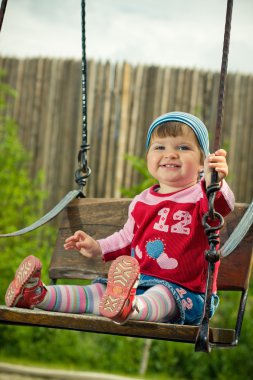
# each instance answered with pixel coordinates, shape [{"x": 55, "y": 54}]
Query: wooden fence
[{"x": 122, "y": 102}]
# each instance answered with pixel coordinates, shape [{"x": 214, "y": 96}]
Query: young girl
[{"x": 159, "y": 269}]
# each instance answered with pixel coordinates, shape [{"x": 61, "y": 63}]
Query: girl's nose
[{"x": 171, "y": 154}]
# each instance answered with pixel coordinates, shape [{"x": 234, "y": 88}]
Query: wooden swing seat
[{"x": 101, "y": 217}]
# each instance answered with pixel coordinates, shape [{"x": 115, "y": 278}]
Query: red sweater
[{"x": 165, "y": 234}]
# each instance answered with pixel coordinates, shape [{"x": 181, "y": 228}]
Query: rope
[
  {"x": 2, "y": 12},
  {"x": 239, "y": 232}
]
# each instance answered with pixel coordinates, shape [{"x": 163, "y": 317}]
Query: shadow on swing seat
[{"x": 102, "y": 217}]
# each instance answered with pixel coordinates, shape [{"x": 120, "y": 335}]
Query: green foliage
[
  {"x": 21, "y": 199},
  {"x": 21, "y": 203}
]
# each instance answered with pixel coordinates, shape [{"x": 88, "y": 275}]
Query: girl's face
[{"x": 175, "y": 161}]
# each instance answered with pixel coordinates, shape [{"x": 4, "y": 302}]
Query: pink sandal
[
  {"x": 26, "y": 290},
  {"x": 118, "y": 300}
]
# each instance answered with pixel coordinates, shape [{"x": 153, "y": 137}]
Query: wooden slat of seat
[{"x": 91, "y": 323}]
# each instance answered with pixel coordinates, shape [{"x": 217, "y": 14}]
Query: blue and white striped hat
[{"x": 193, "y": 122}]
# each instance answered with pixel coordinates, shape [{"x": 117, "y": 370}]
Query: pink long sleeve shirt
[{"x": 164, "y": 233}]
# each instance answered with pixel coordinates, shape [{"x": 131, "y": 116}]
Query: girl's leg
[
  {"x": 73, "y": 298},
  {"x": 27, "y": 291},
  {"x": 117, "y": 302},
  {"x": 156, "y": 304},
  {"x": 121, "y": 303}
]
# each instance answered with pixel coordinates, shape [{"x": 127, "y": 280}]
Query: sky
[{"x": 179, "y": 33}]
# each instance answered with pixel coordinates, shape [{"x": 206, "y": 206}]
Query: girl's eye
[
  {"x": 159, "y": 147},
  {"x": 183, "y": 147}
]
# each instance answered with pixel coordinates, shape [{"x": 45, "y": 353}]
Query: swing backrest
[{"x": 101, "y": 217}]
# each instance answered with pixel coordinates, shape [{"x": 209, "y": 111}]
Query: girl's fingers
[
  {"x": 220, "y": 152},
  {"x": 71, "y": 240},
  {"x": 78, "y": 236},
  {"x": 85, "y": 253}
]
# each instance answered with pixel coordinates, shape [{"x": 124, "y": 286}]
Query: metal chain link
[{"x": 83, "y": 172}]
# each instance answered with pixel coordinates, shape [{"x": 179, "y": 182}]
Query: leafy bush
[{"x": 21, "y": 200}]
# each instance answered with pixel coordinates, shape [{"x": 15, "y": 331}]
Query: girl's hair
[
  {"x": 169, "y": 128},
  {"x": 174, "y": 129}
]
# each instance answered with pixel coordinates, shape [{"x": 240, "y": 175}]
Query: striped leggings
[{"x": 156, "y": 304}]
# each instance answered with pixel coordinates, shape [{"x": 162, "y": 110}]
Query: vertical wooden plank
[
  {"x": 233, "y": 148},
  {"x": 243, "y": 136},
  {"x": 193, "y": 107},
  {"x": 30, "y": 129},
  {"x": 186, "y": 96},
  {"x": 227, "y": 119},
  {"x": 124, "y": 123},
  {"x": 32, "y": 118},
  {"x": 213, "y": 101},
  {"x": 76, "y": 120},
  {"x": 46, "y": 102},
  {"x": 91, "y": 82},
  {"x": 200, "y": 101},
  {"x": 5, "y": 69},
  {"x": 52, "y": 152},
  {"x": 36, "y": 116},
  {"x": 115, "y": 117},
  {"x": 165, "y": 107},
  {"x": 104, "y": 168},
  {"x": 12, "y": 78},
  {"x": 157, "y": 98},
  {"x": 23, "y": 96},
  {"x": 179, "y": 90},
  {"x": 96, "y": 128},
  {"x": 173, "y": 90},
  {"x": 207, "y": 99},
  {"x": 18, "y": 87},
  {"x": 70, "y": 98},
  {"x": 143, "y": 122},
  {"x": 134, "y": 124},
  {"x": 151, "y": 113}
]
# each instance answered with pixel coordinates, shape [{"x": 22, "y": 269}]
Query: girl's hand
[
  {"x": 218, "y": 162},
  {"x": 83, "y": 243}
]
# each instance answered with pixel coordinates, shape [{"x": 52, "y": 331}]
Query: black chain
[
  {"x": 84, "y": 171},
  {"x": 212, "y": 220},
  {"x": 212, "y": 232}
]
